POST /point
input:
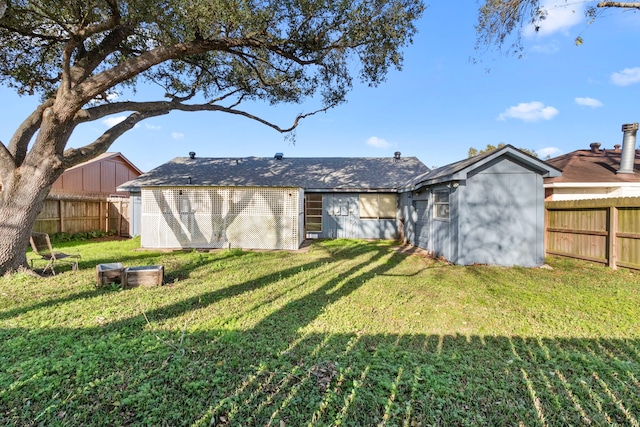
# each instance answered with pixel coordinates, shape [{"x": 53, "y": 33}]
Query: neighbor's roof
[
  {"x": 107, "y": 156},
  {"x": 459, "y": 170},
  {"x": 328, "y": 174},
  {"x": 590, "y": 166}
]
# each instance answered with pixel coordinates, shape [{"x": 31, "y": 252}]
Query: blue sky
[{"x": 558, "y": 98}]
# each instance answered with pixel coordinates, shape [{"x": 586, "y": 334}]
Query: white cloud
[
  {"x": 546, "y": 49},
  {"x": 529, "y": 112},
  {"x": 152, "y": 127},
  {"x": 560, "y": 16},
  {"x": 589, "y": 102},
  {"x": 374, "y": 141},
  {"x": 177, "y": 135},
  {"x": 548, "y": 152},
  {"x": 626, "y": 77},
  {"x": 112, "y": 121}
]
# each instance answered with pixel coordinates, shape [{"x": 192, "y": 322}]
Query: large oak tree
[{"x": 208, "y": 55}]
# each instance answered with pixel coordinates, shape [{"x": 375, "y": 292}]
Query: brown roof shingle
[{"x": 593, "y": 166}]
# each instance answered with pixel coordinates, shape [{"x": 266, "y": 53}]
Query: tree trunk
[{"x": 23, "y": 196}]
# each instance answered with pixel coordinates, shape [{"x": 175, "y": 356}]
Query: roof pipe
[{"x": 628, "y": 156}]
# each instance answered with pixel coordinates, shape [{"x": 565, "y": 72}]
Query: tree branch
[
  {"x": 75, "y": 156},
  {"x": 629, "y": 5},
  {"x": 6, "y": 159},
  {"x": 103, "y": 81},
  {"x": 19, "y": 143}
]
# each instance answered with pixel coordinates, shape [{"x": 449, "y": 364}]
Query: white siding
[{"x": 221, "y": 217}]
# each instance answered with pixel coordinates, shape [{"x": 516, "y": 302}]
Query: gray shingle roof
[
  {"x": 329, "y": 173},
  {"x": 458, "y": 170}
]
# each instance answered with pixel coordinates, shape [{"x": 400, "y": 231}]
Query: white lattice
[{"x": 220, "y": 217}]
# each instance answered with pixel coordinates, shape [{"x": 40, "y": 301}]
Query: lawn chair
[{"x": 41, "y": 245}]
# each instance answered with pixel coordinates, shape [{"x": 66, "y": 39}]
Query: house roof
[
  {"x": 593, "y": 166},
  {"x": 458, "y": 171},
  {"x": 321, "y": 174}
]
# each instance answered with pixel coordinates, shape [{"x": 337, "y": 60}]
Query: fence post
[
  {"x": 60, "y": 209},
  {"x": 120, "y": 217},
  {"x": 611, "y": 236}
]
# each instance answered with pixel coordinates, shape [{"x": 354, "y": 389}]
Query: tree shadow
[{"x": 279, "y": 370}]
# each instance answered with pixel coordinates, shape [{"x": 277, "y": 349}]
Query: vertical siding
[
  {"x": 100, "y": 176},
  {"x": 341, "y": 219},
  {"x": 501, "y": 217},
  {"x": 91, "y": 177},
  {"x": 108, "y": 176}
]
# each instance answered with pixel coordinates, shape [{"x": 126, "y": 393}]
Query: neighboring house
[
  {"x": 488, "y": 209},
  {"x": 592, "y": 174},
  {"x": 596, "y": 173},
  {"x": 97, "y": 177}
]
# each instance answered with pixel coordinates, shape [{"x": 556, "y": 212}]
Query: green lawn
[{"x": 349, "y": 333}]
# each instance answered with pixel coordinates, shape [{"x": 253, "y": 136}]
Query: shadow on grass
[{"x": 276, "y": 373}]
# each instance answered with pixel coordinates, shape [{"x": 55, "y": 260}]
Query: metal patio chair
[{"x": 41, "y": 245}]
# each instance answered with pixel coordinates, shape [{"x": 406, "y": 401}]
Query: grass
[{"x": 350, "y": 333}]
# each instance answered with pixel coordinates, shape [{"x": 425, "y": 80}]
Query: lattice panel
[{"x": 247, "y": 217}]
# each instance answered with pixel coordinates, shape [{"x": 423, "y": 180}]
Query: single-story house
[
  {"x": 474, "y": 211},
  {"x": 268, "y": 203}
]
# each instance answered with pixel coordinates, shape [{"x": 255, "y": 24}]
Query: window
[
  {"x": 441, "y": 205},
  {"x": 313, "y": 212},
  {"x": 378, "y": 206}
]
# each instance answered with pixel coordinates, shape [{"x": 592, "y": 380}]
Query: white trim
[{"x": 591, "y": 184}]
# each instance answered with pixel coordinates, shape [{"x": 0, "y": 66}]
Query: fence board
[
  {"x": 600, "y": 230},
  {"x": 81, "y": 215}
]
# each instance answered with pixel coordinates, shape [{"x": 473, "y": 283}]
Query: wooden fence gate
[{"x": 600, "y": 230}]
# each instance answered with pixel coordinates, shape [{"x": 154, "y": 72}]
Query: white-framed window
[
  {"x": 378, "y": 206},
  {"x": 441, "y": 204}
]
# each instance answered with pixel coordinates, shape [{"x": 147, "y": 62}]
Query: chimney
[
  {"x": 192, "y": 154},
  {"x": 595, "y": 147},
  {"x": 616, "y": 148},
  {"x": 396, "y": 155},
  {"x": 627, "y": 158}
]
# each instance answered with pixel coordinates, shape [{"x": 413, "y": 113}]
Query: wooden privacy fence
[
  {"x": 78, "y": 214},
  {"x": 600, "y": 230}
]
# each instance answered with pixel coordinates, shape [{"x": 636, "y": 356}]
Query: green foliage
[
  {"x": 276, "y": 51},
  {"x": 474, "y": 151},
  {"x": 349, "y": 333},
  {"x": 67, "y": 237}
]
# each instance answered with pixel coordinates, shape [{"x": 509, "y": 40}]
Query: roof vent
[
  {"x": 627, "y": 158},
  {"x": 278, "y": 156},
  {"x": 595, "y": 147},
  {"x": 396, "y": 155},
  {"x": 616, "y": 148},
  {"x": 192, "y": 154}
]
